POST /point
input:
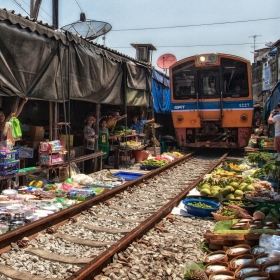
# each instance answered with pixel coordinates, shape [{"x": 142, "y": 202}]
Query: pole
[
  {"x": 55, "y": 13},
  {"x": 50, "y": 120},
  {"x": 31, "y": 8},
  {"x": 36, "y": 9},
  {"x": 56, "y": 120},
  {"x": 97, "y": 131}
]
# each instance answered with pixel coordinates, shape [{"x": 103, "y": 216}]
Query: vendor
[
  {"x": 89, "y": 140},
  {"x": 103, "y": 139},
  {"x": 4, "y": 120},
  {"x": 112, "y": 120},
  {"x": 138, "y": 124}
]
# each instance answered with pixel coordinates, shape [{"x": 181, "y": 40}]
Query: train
[{"x": 211, "y": 101}]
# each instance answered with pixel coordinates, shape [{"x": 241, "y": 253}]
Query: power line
[
  {"x": 79, "y": 5},
  {"x": 196, "y": 25},
  {"x": 21, "y": 7},
  {"x": 39, "y": 12},
  {"x": 191, "y": 46}
]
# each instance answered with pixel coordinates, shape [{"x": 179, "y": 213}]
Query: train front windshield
[{"x": 228, "y": 79}]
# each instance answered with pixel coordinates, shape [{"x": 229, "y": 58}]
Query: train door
[{"x": 209, "y": 89}]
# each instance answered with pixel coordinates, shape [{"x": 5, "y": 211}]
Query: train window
[
  {"x": 185, "y": 86},
  {"x": 209, "y": 85},
  {"x": 235, "y": 79},
  {"x": 184, "y": 83}
]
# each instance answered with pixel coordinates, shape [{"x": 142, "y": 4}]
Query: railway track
[{"x": 79, "y": 242}]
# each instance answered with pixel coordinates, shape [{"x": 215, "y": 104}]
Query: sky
[{"x": 180, "y": 27}]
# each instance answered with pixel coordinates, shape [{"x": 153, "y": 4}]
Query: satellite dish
[
  {"x": 166, "y": 60},
  {"x": 90, "y": 29}
]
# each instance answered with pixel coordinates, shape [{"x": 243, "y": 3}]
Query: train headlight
[
  {"x": 180, "y": 118},
  {"x": 202, "y": 58},
  {"x": 209, "y": 58},
  {"x": 244, "y": 118}
]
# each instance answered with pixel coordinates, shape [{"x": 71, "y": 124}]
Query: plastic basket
[
  {"x": 219, "y": 217},
  {"x": 26, "y": 152}
]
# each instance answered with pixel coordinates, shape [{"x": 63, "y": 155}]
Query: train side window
[{"x": 185, "y": 86}]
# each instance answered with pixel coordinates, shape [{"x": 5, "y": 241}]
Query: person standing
[
  {"x": 103, "y": 139},
  {"x": 89, "y": 140},
  {"x": 275, "y": 119},
  {"x": 112, "y": 120},
  {"x": 4, "y": 120},
  {"x": 138, "y": 124}
]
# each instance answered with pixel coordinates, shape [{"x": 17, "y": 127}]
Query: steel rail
[
  {"x": 60, "y": 217},
  {"x": 95, "y": 267}
]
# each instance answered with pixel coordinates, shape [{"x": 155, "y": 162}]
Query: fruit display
[
  {"x": 235, "y": 166},
  {"x": 239, "y": 203},
  {"x": 220, "y": 172},
  {"x": 232, "y": 212},
  {"x": 226, "y": 211},
  {"x": 36, "y": 183},
  {"x": 154, "y": 162},
  {"x": 225, "y": 188},
  {"x": 130, "y": 144},
  {"x": 200, "y": 205}
]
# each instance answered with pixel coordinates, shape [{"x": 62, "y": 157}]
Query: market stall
[
  {"x": 241, "y": 196},
  {"x": 70, "y": 69}
]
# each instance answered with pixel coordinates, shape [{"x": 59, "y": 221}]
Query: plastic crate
[
  {"x": 9, "y": 162},
  {"x": 127, "y": 176},
  {"x": 26, "y": 152}
]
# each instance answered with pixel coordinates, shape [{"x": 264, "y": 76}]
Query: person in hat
[
  {"x": 274, "y": 118},
  {"x": 138, "y": 124}
]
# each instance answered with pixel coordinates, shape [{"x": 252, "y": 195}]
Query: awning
[{"x": 41, "y": 63}]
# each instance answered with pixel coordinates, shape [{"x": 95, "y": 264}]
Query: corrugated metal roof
[{"x": 48, "y": 29}]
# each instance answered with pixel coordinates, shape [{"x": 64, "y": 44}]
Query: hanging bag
[{"x": 16, "y": 130}]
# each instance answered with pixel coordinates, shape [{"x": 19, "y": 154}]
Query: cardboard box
[
  {"x": 34, "y": 133},
  {"x": 64, "y": 140},
  {"x": 151, "y": 151}
]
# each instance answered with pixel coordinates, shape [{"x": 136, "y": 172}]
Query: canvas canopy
[{"x": 41, "y": 63}]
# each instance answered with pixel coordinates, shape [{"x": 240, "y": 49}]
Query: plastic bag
[
  {"x": 74, "y": 169},
  {"x": 191, "y": 269}
]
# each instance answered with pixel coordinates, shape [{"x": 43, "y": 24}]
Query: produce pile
[
  {"x": 122, "y": 130},
  {"x": 225, "y": 188},
  {"x": 154, "y": 162},
  {"x": 162, "y": 160},
  {"x": 130, "y": 144}
]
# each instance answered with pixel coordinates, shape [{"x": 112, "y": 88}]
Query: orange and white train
[{"x": 211, "y": 101}]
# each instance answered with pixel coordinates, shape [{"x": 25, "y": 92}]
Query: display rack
[
  {"x": 9, "y": 162},
  {"x": 51, "y": 153}
]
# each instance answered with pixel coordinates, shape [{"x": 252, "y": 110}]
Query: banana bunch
[
  {"x": 36, "y": 183},
  {"x": 237, "y": 167}
]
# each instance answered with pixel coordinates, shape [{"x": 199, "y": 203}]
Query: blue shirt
[{"x": 138, "y": 126}]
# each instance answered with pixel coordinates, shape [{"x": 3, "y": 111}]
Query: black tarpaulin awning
[{"x": 36, "y": 61}]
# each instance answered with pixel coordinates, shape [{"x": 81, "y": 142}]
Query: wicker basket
[{"x": 219, "y": 217}]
